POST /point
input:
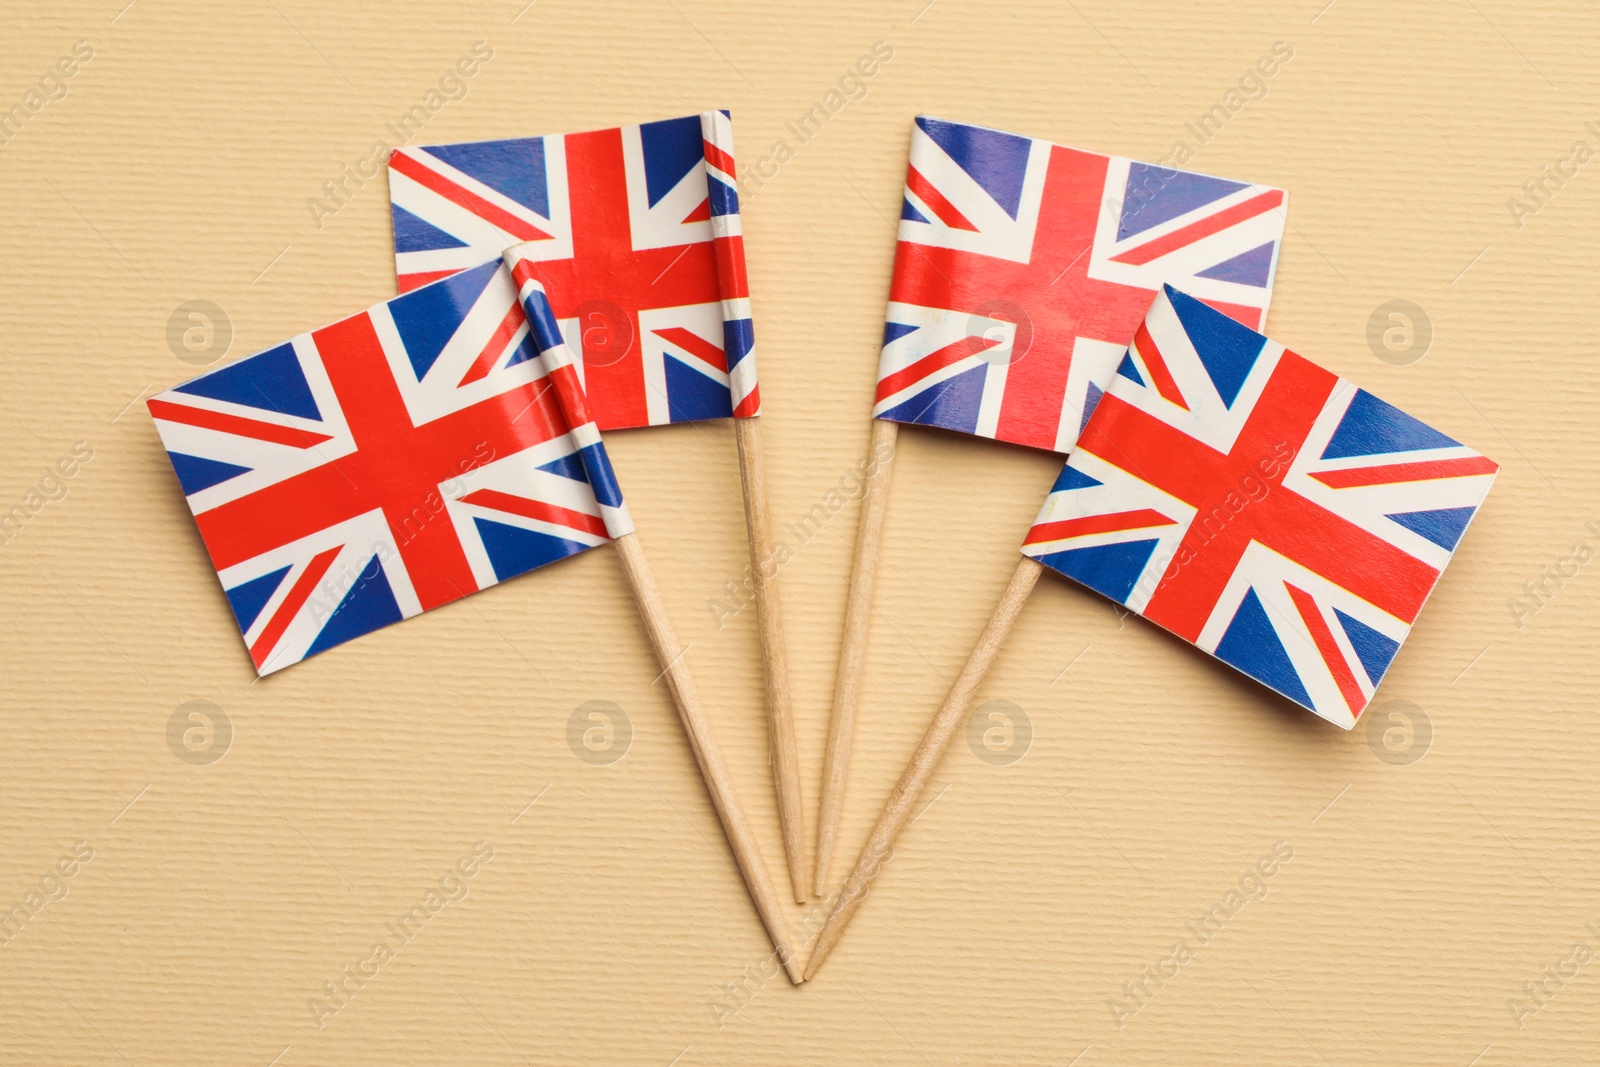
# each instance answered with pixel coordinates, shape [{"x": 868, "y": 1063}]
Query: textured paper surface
[{"x": 609, "y": 927}]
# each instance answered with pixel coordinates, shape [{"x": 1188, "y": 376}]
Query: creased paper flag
[
  {"x": 637, "y": 233},
  {"x": 1259, "y": 506},
  {"x": 1023, "y": 268},
  {"x": 392, "y": 462}
]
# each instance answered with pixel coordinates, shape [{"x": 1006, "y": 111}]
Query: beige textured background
[{"x": 1421, "y": 895}]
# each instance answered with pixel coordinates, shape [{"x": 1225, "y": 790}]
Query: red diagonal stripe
[
  {"x": 749, "y": 405},
  {"x": 1156, "y": 364},
  {"x": 719, "y": 159},
  {"x": 496, "y": 347},
  {"x": 1329, "y": 648},
  {"x": 947, "y": 212},
  {"x": 409, "y": 282},
  {"x": 511, "y": 224},
  {"x": 522, "y": 273},
  {"x": 1288, "y": 523},
  {"x": 1093, "y": 524},
  {"x": 694, "y": 344},
  {"x": 701, "y": 213},
  {"x": 1200, "y": 228},
  {"x": 237, "y": 425},
  {"x": 954, "y": 352},
  {"x": 298, "y": 595},
  {"x": 536, "y": 509},
  {"x": 1427, "y": 470}
]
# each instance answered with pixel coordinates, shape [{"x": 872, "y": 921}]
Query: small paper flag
[
  {"x": 1259, "y": 506},
  {"x": 367, "y": 471},
  {"x": 1023, "y": 268},
  {"x": 636, "y": 230}
]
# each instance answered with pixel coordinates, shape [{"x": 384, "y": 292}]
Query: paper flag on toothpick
[
  {"x": 1259, "y": 506},
  {"x": 1023, "y": 268},
  {"x": 561, "y": 371},
  {"x": 636, "y": 230},
  {"x": 392, "y": 462}
]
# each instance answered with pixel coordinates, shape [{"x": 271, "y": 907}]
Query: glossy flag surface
[
  {"x": 1023, "y": 268},
  {"x": 567, "y": 388},
  {"x": 386, "y": 464},
  {"x": 1274, "y": 514},
  {"x": 637, "y": 232}
]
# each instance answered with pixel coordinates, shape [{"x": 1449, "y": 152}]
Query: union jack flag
[
  {"x": 637, "y": 233},
  {"x": 392, "y": 462},
  {"x": 1023, "y": 268},
  {"x": 1259, "y": 506},
  {"x": 562, "y": 371}
]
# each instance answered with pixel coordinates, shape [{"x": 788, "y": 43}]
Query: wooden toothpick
[
  {"x": 926, "y": 758},
  {"x": 719, "y": 783},
  {"x": 774, "y": 659},
  {"x": 853, "y": 649},
  {"x": 727, "y": 241}
]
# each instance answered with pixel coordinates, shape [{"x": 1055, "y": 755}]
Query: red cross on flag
[
  {"x": 1023, "y": 268},
  {"x": 378, "y": 467},
  {"x": 636, "y": 230}
]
